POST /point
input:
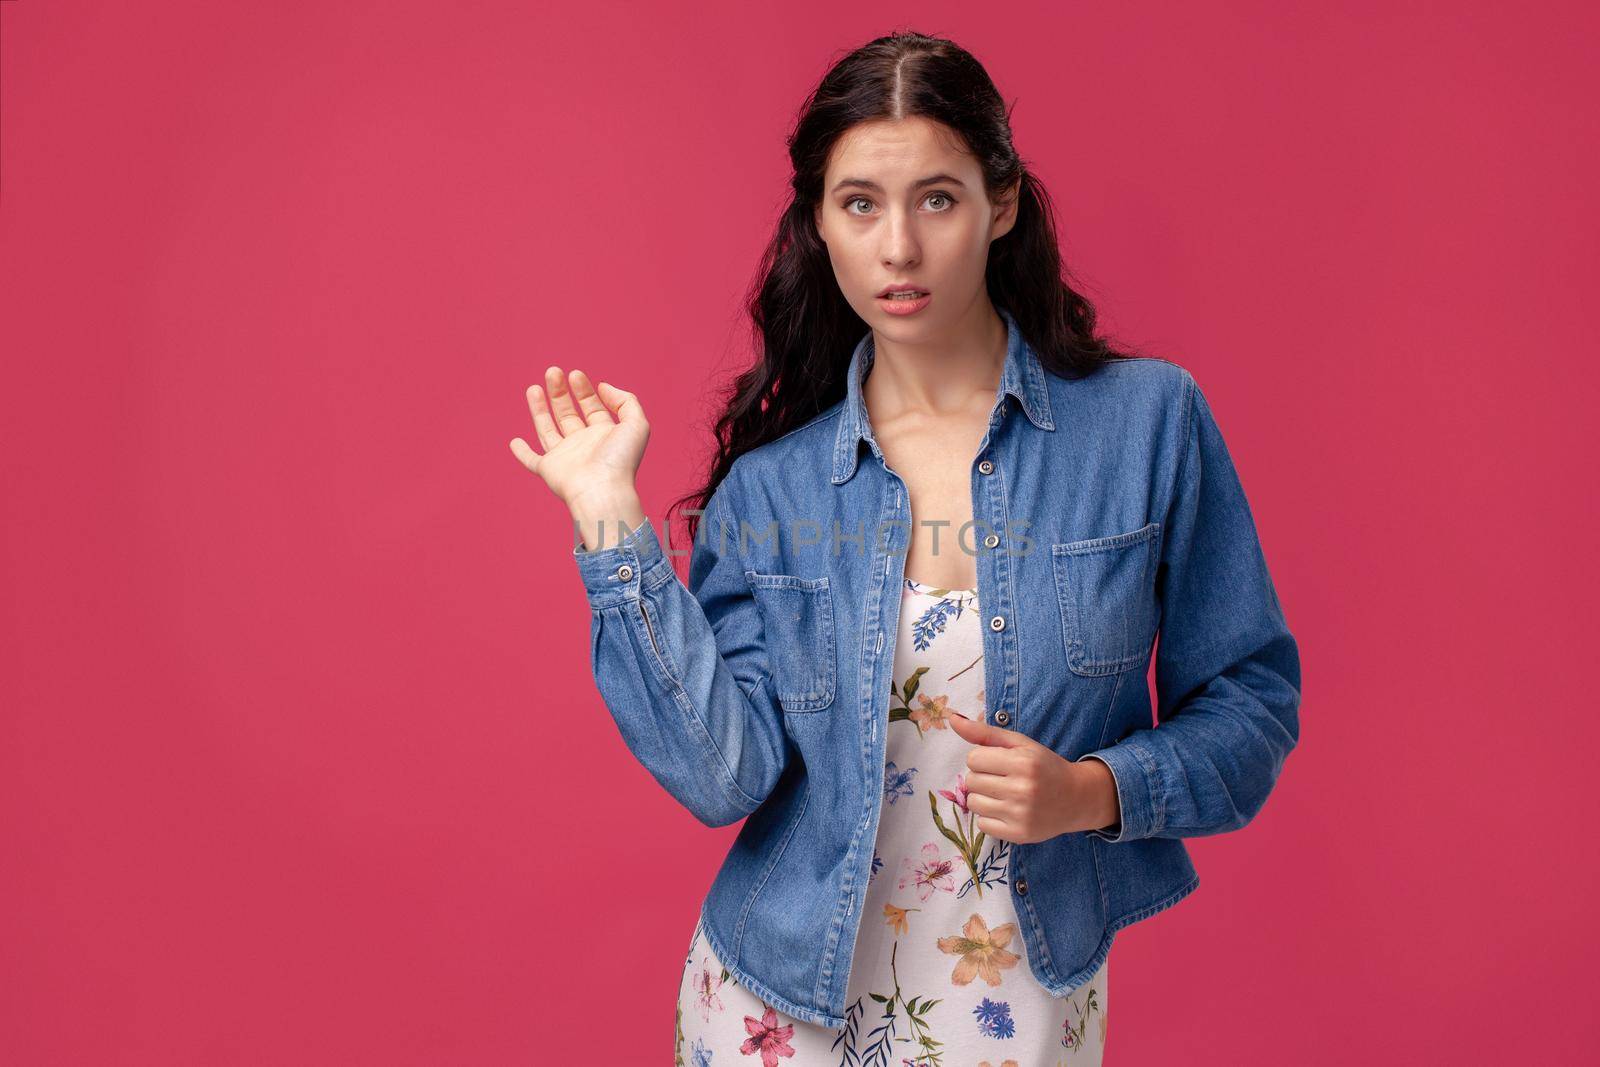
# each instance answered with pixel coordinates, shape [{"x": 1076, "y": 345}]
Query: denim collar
[{"x": 1023, "y": 377}]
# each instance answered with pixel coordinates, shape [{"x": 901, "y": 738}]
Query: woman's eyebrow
[{"x": 935, "y": 179}]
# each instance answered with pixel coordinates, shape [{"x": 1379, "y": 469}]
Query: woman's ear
[
  {"x": 816, "y": 222},
  {"x": 1005, "y": 212}
]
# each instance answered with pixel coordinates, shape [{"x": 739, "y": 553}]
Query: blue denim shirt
[{"x": 1106, "y": 511}]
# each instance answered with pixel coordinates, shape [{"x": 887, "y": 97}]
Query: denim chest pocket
[
  {"x": 797, "y": 614},
  {"x": 1106, "y": 589}
]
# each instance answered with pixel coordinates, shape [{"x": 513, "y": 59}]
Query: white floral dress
[{"x": 940, "y": 975}]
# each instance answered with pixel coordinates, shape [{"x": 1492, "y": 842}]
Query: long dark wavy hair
[{"x": 804, "y": 328}]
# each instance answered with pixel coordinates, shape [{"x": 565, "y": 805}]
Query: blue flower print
[
  {"x": 930, "y": 623},
  {"x": 897, "y": 784},
  {"x": 701, "y": 1054},
  {"x": 877, "y": 861},
  {"x": 994, "y": 1018}
]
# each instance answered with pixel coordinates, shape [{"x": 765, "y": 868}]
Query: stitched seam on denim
[
  {"x": 1150, "y": 909},
  {"x": 1066, "y": 602},
  {"x": 764, "y": 991},
  {"x": 1101, "y": 953},
  {"x": 829, "y": 652},
  {"x": 1099, "y": 875},
  {"x": 1036, "y": 379},
  {"x": 1091, "y": 545},
  {"x": 820, "y": 417},
  {"x": 1041, "y": 942},
  {"x": 1011, "y": 639},
  {"x": 656, "y": 639},
  {"x": 870, "y": 695},
  {"x": 1157, "y": 789},
  {"x": 768, "y": 580},
  {"x": 1189, "y": 388},
  {"x": 755, "y": 891}
]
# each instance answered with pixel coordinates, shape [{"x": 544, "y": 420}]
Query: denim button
[
  {"x": 1022, "y": 887},
  {"x": 986, "y": 467},
  {"x": 1002, "y": 717},
  {"x": 624, "y": 572},
  {"x": 997, "y": 623},
  {"x": 991, "y": 540}
]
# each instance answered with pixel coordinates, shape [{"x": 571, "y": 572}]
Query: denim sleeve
[
  {"x": 1227, "y": 667},
  {"x": 683, "y": 669}
]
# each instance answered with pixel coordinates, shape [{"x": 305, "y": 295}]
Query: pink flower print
[
  {"x": 960, "y": 794},
  {"x": 706, "y": 986},
  {"x": 934, "y": 872},
  {"x": 767, "y": 1038}
]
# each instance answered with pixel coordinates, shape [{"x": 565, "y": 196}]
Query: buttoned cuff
[
  {"x": 616, "y": 573},
  {"x": 1135, "y": 777}
]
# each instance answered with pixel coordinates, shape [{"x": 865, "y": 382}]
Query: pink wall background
[{"x": 300, "y": 758}]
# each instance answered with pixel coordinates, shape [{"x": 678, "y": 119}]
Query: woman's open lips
[{"x": 904, "y": 305}]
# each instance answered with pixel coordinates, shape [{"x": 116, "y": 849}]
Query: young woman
[{"x": 941, "y": 742}]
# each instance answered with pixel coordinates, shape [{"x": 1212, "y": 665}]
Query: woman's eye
[{"x": 946, "y": 197}]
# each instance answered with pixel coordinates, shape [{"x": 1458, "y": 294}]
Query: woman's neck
[{"x": 962, "y": 367}]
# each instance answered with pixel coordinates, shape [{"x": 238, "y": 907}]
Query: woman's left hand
[{"x": 1024, "y": 792}]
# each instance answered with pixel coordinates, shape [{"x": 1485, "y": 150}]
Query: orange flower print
[
  {"x": 933, "y": 714},
  {"x": 896, "y": 917},
  {"x": 934, "y": 872},
  {"x": 706, "y": 986},
  {"x": 982, "y": 951},
  {"x": 1006, "y": 1063},
  {"x": 767, "y": 1038}
]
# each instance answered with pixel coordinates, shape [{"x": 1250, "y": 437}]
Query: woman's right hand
[{"x": 589, "y": 455}]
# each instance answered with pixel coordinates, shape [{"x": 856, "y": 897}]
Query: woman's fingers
[
  {"x": 625, "y": 403},
  {"x": 589, "y": 403},
  {"x": 561, "y": 405},
  {"x": 543, "y": 424},
  {"x": 525, "y": 454}
]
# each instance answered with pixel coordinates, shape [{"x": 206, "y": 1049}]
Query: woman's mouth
[{"x": 905, "y": 302}]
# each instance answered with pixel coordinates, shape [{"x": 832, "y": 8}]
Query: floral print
[
  {"x": 982, "y": 951},
  {"x": 940, "y": 977},
  {"x": 897, "y": 783},
  {"x": 932, "y": 872},
  {"x": 767, "y": 1038}
]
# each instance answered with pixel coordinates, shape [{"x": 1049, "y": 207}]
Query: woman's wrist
[
  {"x": 604, "y": 515},
  {"x": 1106, "y": 811}
]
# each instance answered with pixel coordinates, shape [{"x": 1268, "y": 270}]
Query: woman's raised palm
[{"x": 586, "y": 448}]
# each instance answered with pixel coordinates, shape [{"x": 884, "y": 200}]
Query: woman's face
[{"x": 904, "y": 202}]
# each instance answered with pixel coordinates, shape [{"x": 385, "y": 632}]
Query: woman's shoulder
[
  {"x": 1134, "y": 372},
  {"x": 805, "y": 444},
  {"x": 1147, "y": 386}
]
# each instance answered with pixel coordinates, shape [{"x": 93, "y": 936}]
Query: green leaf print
[
  {"x": 903, "y": 711},
  {"x": 970, "y": 850},
  {"x": 1073, "y": 1037}
]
